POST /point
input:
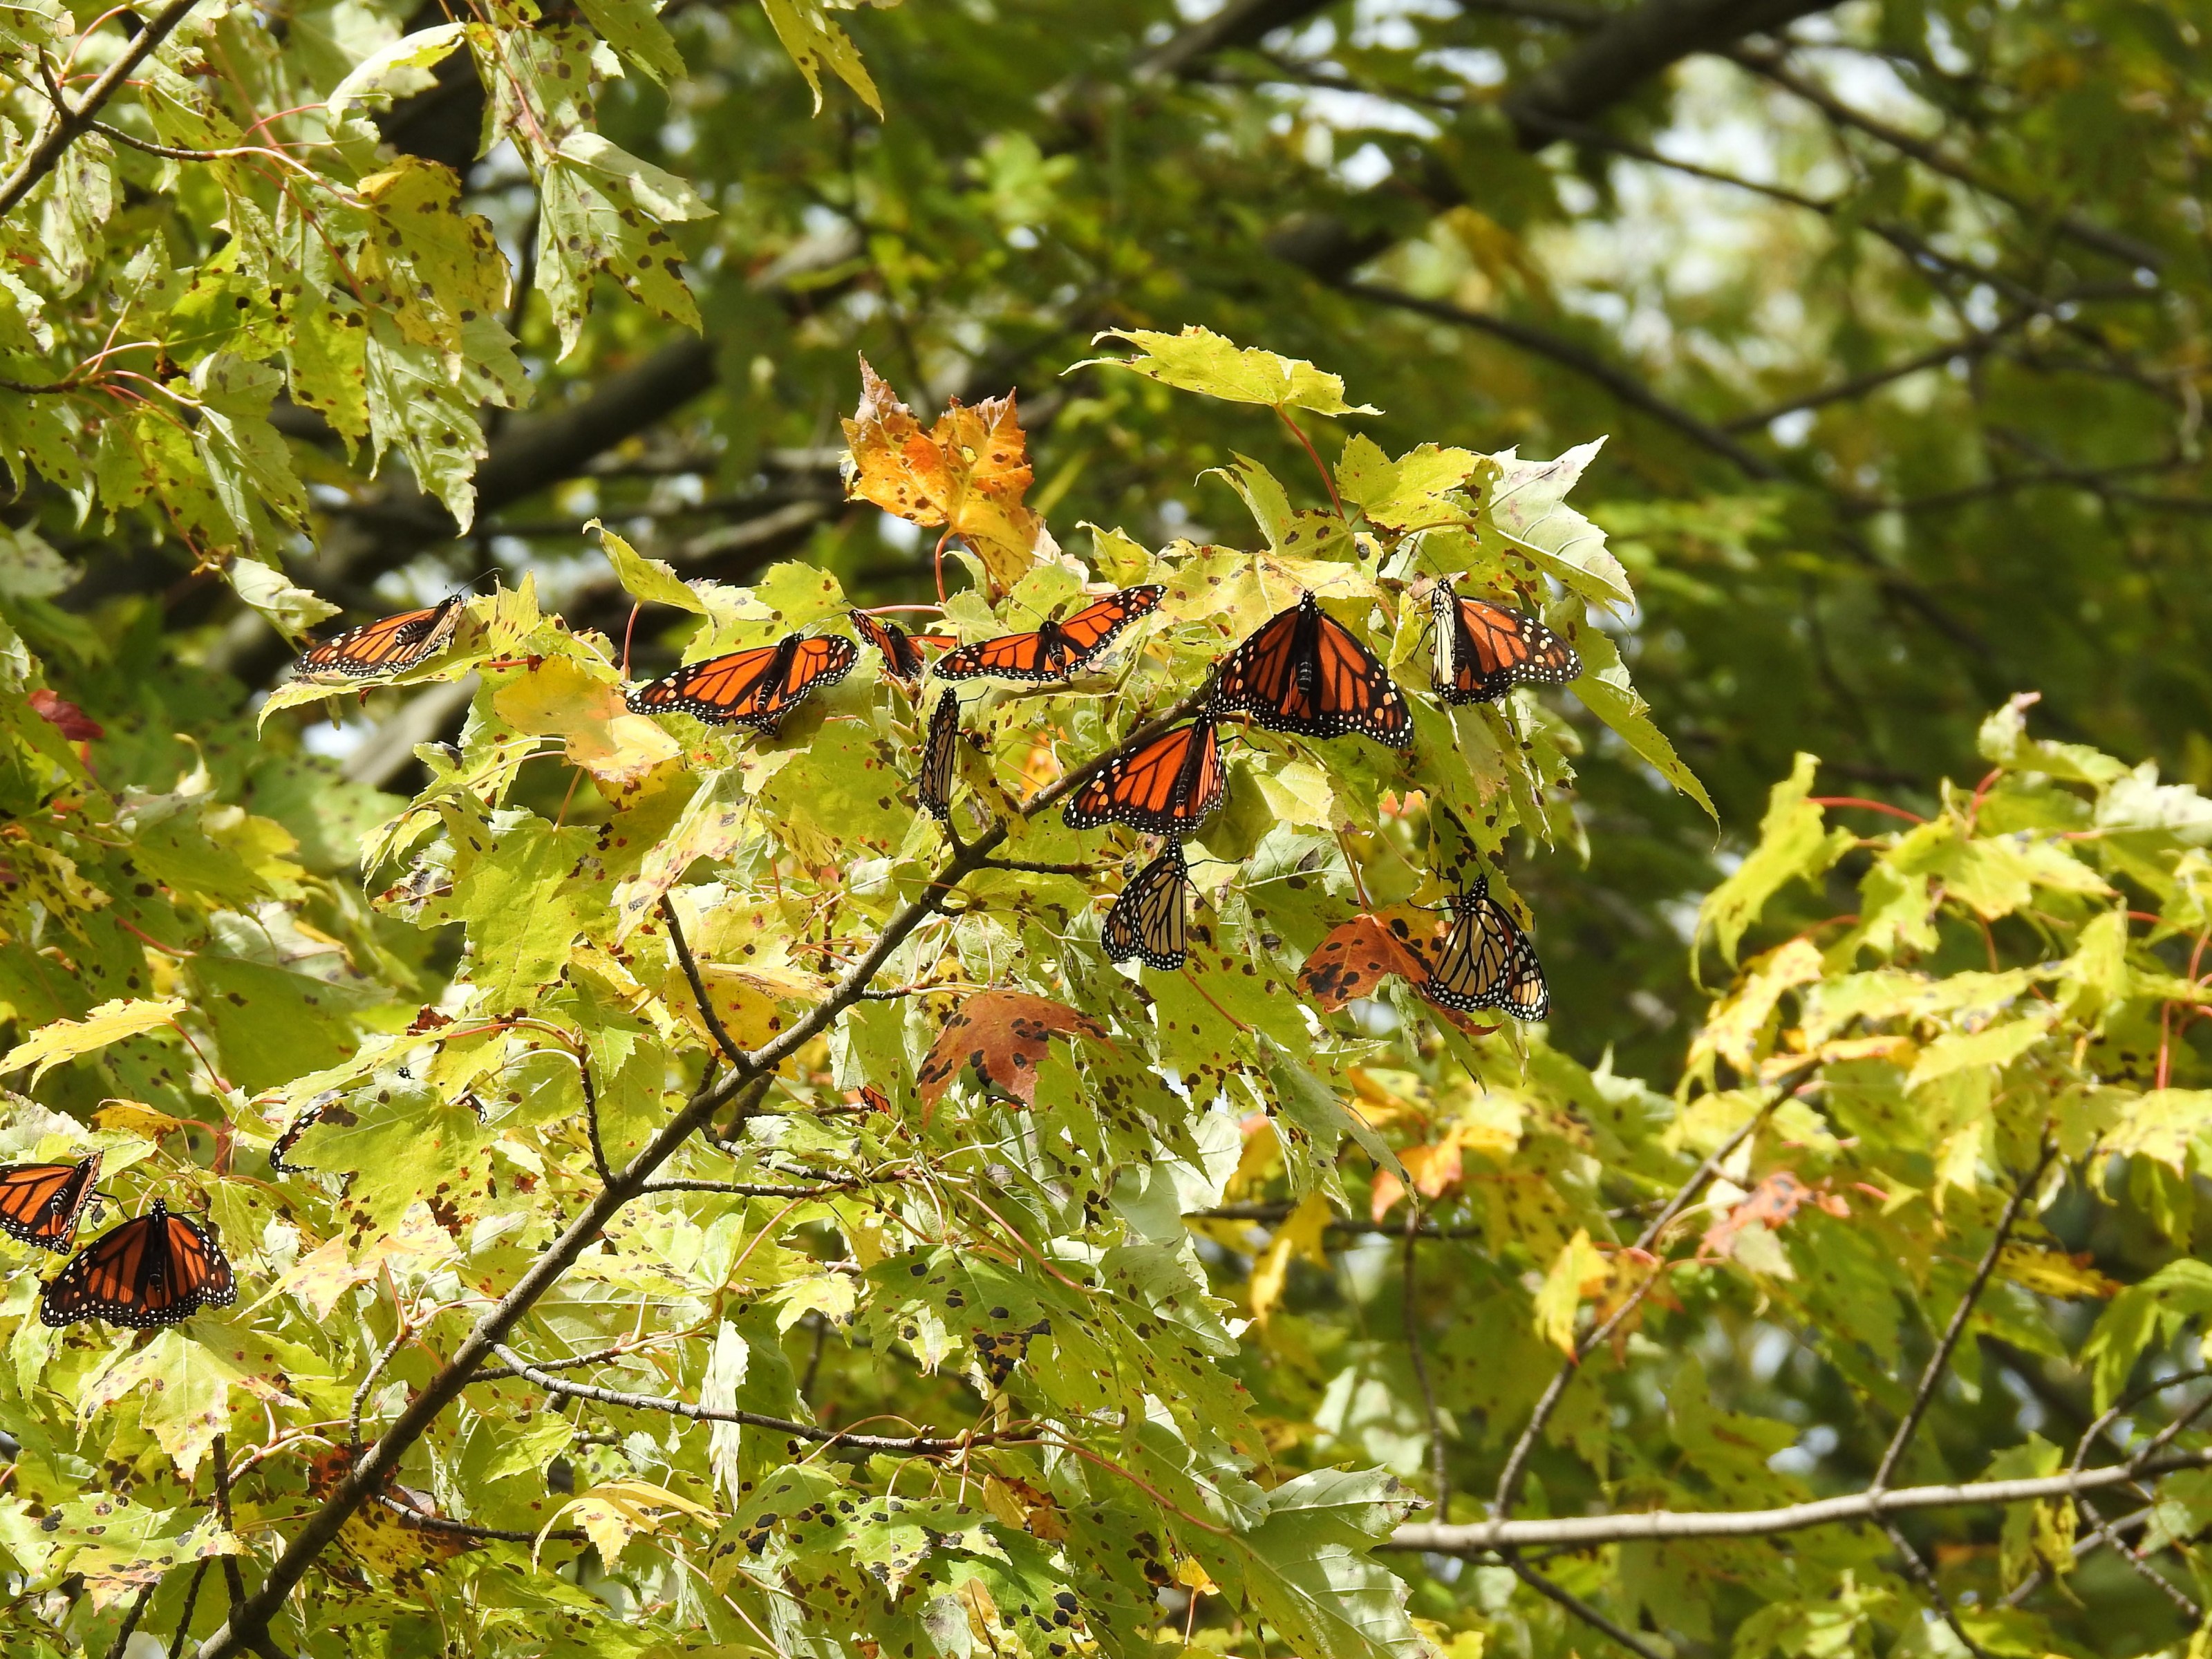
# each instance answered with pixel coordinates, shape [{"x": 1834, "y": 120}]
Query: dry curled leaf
[
  {"x": 969, "y": 472},
  {"x": 1003, "y": 1035}
]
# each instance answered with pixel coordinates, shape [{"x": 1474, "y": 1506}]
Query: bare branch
[
  {"x": 1239, "y": 23},
  {"x": 1485, "y": 1538},
  {"x": 1926, "y": 1577},
  {"x": 72, "y": 122}
]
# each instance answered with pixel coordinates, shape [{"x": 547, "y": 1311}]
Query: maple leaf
[
  {"x": 1003, "y": 1035},
  {"x": 969, "y": 473},
  {"x": 1356, "y": 957}
]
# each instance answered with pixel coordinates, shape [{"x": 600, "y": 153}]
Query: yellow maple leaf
[
  {"x": 1299, "y": 1235},
  {"x": 967, "y": 473}
]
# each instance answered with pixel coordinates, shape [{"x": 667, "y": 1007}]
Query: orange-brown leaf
[
  {"x": 1355, "y": 958},
  {"x": 1003, "y": 1034},
  {"x": 968, "y": 472}
]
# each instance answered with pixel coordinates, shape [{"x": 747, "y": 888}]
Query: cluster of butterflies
[
  {"x": 1302, "y": 672},
  {"x": 156, "y": 1269}
]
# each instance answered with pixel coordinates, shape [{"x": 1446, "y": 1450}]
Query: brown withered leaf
[
  {"x": 1003, "y": 1035},
  {"x": 969, "y": 472},
  {"x": 1356, "y": 957}
]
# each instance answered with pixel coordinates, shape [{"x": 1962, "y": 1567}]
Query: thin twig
[
  {"x": 1925, "y": 1576},
  {"x": 1581, "y": 1609},
  {"x": 72, "y": 122},
  {"x": 219, "y": 1459},
  {"x": 130, "y": 1621},
  {"x": 922, "y": 1445},
  {"x": 723, "y": 1040},
  {"x": 1931, "y": 1377},
  {"x": 1516, "y": 1461}
]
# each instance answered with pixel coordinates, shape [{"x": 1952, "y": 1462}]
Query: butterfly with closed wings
[
  {"x": 1162, "y": 786},
  {"x": 902, "y": 651},
  {"x": 1147, "y": 921},
  {"x": 1483, "y": 650},
  {"x": 933, "y": 787},
  {"x": 158, "y": 1269},
  {"x": 756, "y": 687},
  {"x": 1487, "y": 961},
  {"x": 1305, "y": 673},
  {"x": 1057, "y": 649},
  {"x": 40, "y": 1203},
  {"x": 390, "y": 645}
]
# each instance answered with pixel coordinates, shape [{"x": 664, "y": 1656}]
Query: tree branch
[
  {"x": 1618, "y": 382},
  {"x": 1483, "y": 1538},
  {"x": 71, "y": 122},
  {"x": 745, "y": 1082}
]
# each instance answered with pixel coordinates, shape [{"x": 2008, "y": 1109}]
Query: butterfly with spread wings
[
  {"x": 158, "y": 1269},
  {"x": 933, "y": 787},
  {"x": 390, "y": 645},
  {"x": 1488, "y": 962},
  {"x": 756, "y": 687},
  {"x": 1305, "y": 673},
  {"x": 1483, "y": 650},
  {"x": 40, "y": 1203},
  {"x": 1162, "y": 786},
  {"x": 902, "y": 651},
  {"x": 1057, "y": 649},
  {"x": 1146, "y": 922}
]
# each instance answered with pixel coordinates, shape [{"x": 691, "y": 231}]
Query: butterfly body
[
  {"x": 1487, "y": 961},
  {"x": 157, "y": 1269},
  {"x": 934, "y": 788},
  {"x": 756, "y": 687},
  {"x": 902, "y": 651},
  {"x": 1147, "y": 921},
  {"x": 1162, "y": 786},
  {"x": 1304, "y": 671},
  {"x": 40, "y": 1203},
  {"x": 1484, "y": 650},
  {"x": 390, "y": 645},
  {"x": 1056, "y": 649}
]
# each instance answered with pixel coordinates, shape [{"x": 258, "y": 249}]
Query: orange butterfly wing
[
  {"x": 390, "y": 645},
  {"x": 901, "y": 650},
  {"x": 1484, "y": 650},
  {"x": 1162, "y": 785},
  {"x": 1488, "y": 962},
  {"x": 1305, "y": 673},
  {"x": 39, "y": 1203},
  {"x": 756, "y": 688},
  {"x": 156, "y": 1270},
  {"x": 1058, "y": 649}
]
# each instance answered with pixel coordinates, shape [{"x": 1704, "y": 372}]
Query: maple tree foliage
[{"x": 683, "y": 1197}]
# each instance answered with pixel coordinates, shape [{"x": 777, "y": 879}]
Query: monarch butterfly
[
  {"x": 1057, "y": 649},
  {"x": 1487, "y": 961},
  {"x": 1147, "y": 921},
  {"x": 1484, "y": 650},
  {"x": 756, "y": 688},
  {"x": 390, "y": 645},
  {"x": 39, "y": 1203},
  {"x": 901, "y": 650},
  {"x": 1162, "y": 785},
  {"x": 1305, "y": 671},
  {"x": 934, "y": 787},
  {"x": 158, "y": 1269}
]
